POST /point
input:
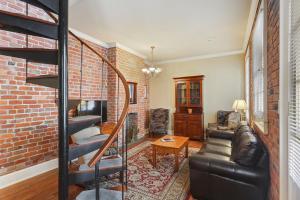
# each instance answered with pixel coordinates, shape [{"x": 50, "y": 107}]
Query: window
[
  {"x": 247, "y": 83},
  {"x": 132, "y": 92},
  {"x": 294, "y": 92},
  {"x": 259, "y": 70}
]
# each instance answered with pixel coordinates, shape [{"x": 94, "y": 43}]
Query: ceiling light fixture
[{"x": 151, "y": 70}]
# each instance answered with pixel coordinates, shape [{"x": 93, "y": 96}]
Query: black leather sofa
[{"x": 231, "y": 169}]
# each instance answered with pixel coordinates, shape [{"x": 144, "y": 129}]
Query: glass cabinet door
[
  {"x": 181, "y": 89},
  {"x": 194, "y": 93}
]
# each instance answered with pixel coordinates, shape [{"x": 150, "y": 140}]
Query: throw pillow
[{"x": 234, "y": 119}]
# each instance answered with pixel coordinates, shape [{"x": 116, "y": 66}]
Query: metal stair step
[
  {"x": 105, "y": 164},
  {"x": 79, "y": 123},
  {"x": 105, "y": 194},
  {"x": 46, "y": 56},
  {"x": 86, "y": 145},
  {"x": 28, "y": 25},
  {"x": 49, "y": 5},
  {"x": 86, "y": 173},
  {"x": 44, "y": 80}
]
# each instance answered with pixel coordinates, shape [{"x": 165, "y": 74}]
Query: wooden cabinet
[
  {"x": 188, "y": 118},
  {"x": 180, "y": 125}
]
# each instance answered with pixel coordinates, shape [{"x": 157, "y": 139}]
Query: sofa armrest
[{"x": 222, "y": 166}]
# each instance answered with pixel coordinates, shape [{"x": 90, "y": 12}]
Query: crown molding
[
  {"x": 106, "y": 44},
  {"x": 251, "y": 18},
  {"x": 125, "y": 48},
  {"x": 207, "y": 56}
]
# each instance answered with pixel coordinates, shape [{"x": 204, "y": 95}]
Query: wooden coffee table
[{"x": 170, "y": 147}]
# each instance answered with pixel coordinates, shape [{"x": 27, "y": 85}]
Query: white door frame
[{"x": 283, "y": 100}]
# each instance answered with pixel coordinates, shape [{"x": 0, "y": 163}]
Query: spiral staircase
[{"x": 96, "y": 167}]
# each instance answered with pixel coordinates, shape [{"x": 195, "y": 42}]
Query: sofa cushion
[
  {"x": 247, "y": 150},
  {"x": 239, "y": 131},
  {"x": 210, "y": 156},
  {"x": 217, "y": 149},
  {"x": 220, "y": 142}
]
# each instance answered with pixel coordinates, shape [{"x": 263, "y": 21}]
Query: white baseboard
[{"x": 21, "y": 175}]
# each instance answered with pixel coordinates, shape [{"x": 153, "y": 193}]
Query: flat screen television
[{"x": 93, "y": 107}]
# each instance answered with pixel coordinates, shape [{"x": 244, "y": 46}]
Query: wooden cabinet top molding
[{"x": 189, "y": 77}]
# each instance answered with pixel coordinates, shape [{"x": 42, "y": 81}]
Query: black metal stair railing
[
  {"x": 58, "y": 30},
  {"x": 63, "y": 143},
  {"x": 96, "y": 160}
]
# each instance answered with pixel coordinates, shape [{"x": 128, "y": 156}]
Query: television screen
[{"x": 92, "y": 107}]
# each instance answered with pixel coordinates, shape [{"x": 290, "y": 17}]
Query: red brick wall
[
  {"x": 272, "y": 138},
  {"x": 28, "y": 113},
  {"x": 130, "y": 66},
  {"x": 112, "y": 88}
]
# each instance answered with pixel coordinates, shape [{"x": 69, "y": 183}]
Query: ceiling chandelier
[{"x": 151, "y": 70}]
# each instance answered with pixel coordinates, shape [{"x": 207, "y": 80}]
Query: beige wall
[{"x": 223, "y": 83}]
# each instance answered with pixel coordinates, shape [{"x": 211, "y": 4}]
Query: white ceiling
[{"x": 178, "y": 28}]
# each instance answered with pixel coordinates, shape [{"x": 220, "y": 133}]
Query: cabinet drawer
[
  {"x": 180, "y": 116},
  {"x": 195, "y": 117}
]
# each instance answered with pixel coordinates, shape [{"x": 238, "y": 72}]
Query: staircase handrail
[{"x": 124, "y": 112}]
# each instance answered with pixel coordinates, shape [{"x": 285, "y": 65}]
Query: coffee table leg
[
  {"x": 154, "y": 156},
  {"x": 187, "y": 150},
  {"x": 176, "y": 161}
]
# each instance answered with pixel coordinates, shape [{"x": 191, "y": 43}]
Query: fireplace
[{"x": 132, "y": 129}]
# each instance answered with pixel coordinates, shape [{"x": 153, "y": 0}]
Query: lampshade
[{"x": 239, "y": 104}]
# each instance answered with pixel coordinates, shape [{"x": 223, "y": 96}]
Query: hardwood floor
[
  {"x": 44, "y": 186},
  {"x": 40, "y": 187}
]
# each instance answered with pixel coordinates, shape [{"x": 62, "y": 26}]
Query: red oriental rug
[{"x": 161, "y": 183}]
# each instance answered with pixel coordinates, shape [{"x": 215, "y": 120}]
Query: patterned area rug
[{"x": 161, "y": 183}]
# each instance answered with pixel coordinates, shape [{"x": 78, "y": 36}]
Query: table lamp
[{"x": 240, "y": 105}]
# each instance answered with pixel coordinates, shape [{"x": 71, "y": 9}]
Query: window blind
[
  {"x": 258, "y": 67},
  {"x": 294, "y": 92},
  {"x": 247, "y": 82}
]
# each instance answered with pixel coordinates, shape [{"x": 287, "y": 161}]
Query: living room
[{"x": 105, "y": 99}]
